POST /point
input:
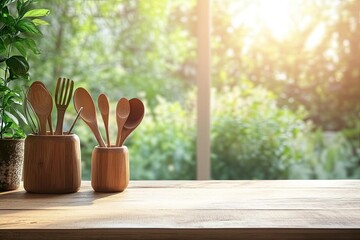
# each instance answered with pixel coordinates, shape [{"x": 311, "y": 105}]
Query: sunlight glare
[
  {"x": 274, "y": 15},
  {"x": 315, "y": 37}
]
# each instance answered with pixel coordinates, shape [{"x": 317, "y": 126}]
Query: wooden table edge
[{"x": 182, "y": 233}]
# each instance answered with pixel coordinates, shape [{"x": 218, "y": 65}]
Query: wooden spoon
[
  {"x": 42, "y": 103},
  {"x": 49, "y": 118},
  {"x": 122, "y": 114},
  {"x": 136, "y": 115},
  {"x": 103, "y": 104},
  {"x": 83, "y": 99}
]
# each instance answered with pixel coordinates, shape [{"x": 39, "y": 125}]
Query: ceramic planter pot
[
  {"x": 11, "y": 162},
  {"x": 110, "y": 169},
  {"x": 52, "y": 164}
]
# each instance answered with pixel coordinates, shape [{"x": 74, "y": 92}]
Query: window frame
[{"x": 203, "y": 163}]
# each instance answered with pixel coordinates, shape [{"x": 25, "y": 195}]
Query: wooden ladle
[
  {"x": 83, "y": 99},
  {"x": 122, "y": 114},
  {"x": 103, "y": 104},
  {"x": 136, "y": 115},
  {"x": 42, "y": 104}
]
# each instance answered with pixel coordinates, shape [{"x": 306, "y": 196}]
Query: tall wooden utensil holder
[
  {"x": 52, "y": 164},
  {"x": 110, "y": 169}
]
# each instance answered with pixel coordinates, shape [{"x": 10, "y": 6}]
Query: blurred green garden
[{"x": 285, "y": 82}]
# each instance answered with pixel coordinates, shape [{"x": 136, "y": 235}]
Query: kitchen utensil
[
  {"x": 136, "y": 115},
  {"x": 63, "y": 95},
  {"x": 122, "y": 113},
  {"x": 42, "y": 103},
  {"x": 73, "y": 124},
  {"x": 49, "y": 117},
  {"x": 103, "y": 104},
  {"x": 83, "y": 99}
]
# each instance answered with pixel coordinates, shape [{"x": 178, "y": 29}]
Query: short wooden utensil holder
[
  {"x": 110, "y": 169},
  {"x": 52, "y": 164}
]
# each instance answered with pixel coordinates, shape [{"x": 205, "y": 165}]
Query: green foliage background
[{"x": 263, "y": 126}]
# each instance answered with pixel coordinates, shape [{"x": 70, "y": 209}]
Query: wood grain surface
[{"x": 282, "y": 209}]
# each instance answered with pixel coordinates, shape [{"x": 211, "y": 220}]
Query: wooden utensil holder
[
  {"x": 110, "y": 169},
  {"x": 52, "y": 164}
]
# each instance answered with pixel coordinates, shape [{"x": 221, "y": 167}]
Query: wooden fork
[{"x": 63, "y": 95}]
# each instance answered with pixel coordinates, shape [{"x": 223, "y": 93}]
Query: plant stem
[
  {"x": 2, "y": 127},
  {"x": 3, "y": 107}
]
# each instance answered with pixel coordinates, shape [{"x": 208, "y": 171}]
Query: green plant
[
  {"x": 163, "y": 147},
  {"x": 251, "y": 137},
  {"x": 325, "y": 155},
  {"x": 254, "y": 138},
  {"x": 19, "y": 26}
]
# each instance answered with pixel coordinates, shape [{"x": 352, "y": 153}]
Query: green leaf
[
  {"x": 18, "y": 65},
  {"x": 23, "y": 118},
  {"x": 5, "y": 11},
  {"x": 38, "y": 22},
  {"x": 31, "y": 44},
  {"x": 6, "y": 127},
  {"x": 5, "y": 2},
  {"x": 12, "y": 117},
  {"x": 25, "y": 25},
  {"x": 37, "y": 13},
  {"x": 7, "y": 39},
  {"x": 15, "y": 100},
  {"x": 13, "y": 76},
  {"x": 18, "y": 134},
  {"x": 8, "y": 98},
  {"x": 2, "y": 46},
  {"x": 7, "y": 21},
  {"x": 4, "y": 88},
  {"x": 20, "y": 47},
  {"x": 19, "y": 5},
  {"x": 26, "y": 43},
  {"x": 23, "y": 7}
]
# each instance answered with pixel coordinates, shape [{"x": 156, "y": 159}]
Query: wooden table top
[{"x": 279, "y": 209}]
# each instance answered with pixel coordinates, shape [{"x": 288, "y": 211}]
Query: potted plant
[{"x": 19, "y": 23}]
